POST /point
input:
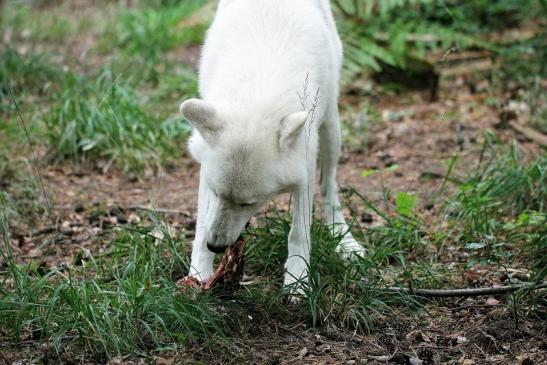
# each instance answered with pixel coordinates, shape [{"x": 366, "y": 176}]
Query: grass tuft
[
  {"x": 25, "y": 74},
  {"x": 346, "y": 294},
  {"x": 502, "y": 186},
  {"x": 104, "y": 119}
]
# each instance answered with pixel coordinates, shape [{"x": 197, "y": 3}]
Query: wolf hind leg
[{"x": 329, "y": 152}]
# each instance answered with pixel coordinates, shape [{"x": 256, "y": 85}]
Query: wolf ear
[
  {"x": 291, "y": 127},
  {"x": 201, "y": 116}
]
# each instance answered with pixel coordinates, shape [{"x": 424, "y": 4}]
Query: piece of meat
[{"x": 227, "y": 274}]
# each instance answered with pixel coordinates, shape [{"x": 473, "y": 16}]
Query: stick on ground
[{"x": 466, "y": 292}]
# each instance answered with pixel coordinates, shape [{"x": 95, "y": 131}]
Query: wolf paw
[
  {"x": 295, "y": 289},
  {"x": 201, "y": 274},
  {"x": 296, "y": 282},
  {"x": 349, "y": 248}
]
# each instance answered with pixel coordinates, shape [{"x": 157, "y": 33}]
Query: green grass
[
  {"x": 501, "y": 186},
  {"x": 149, "y": 33},
  {"x": 145, "y": 34},
  {"x": 346, "y": 294},
  {"x": 122, "y": 302},
  {"x": 111, "y": 113},
  {"x": 99, "y": 116},
  {"x": 102, "y": 118},
  {"x": 30, "y": 75},
  {"x": 27, "y": 23}
]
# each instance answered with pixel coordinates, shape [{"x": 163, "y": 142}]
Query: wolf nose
[{"x": 216, "y": 249}]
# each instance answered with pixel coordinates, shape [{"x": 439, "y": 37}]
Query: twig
[
  {"x": 155, "y": 209},
  {"x": 466, "y": 292},
  {"x": 134, "y": 207},
  {"x": 45, "y": 230},
  {"x": 530, "y": 133}
]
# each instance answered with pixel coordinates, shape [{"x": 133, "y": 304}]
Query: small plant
[
  {"x": 23, "y": 201},
  {"x": 488, "y": 251},
  {"x": 379, "y": 33},
  {"x": 356, "y": 130},
  {"x": 401, "y": 231}
]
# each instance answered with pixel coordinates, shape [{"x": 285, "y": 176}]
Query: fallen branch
[
  {"x": 466, "y": 292},
  {"x": 158, "y": 210},
  {"x": 530, "y": 133}
]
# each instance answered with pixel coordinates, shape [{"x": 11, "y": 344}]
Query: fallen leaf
[
  {"x": 492, "y": 301},
  {"x": 302, "y": 353},
  {"x": 324, "y": 348},
  {"x": 133, "y": 219},
  {"x": 157, "y": 234},
  {"x": 418, "y": 336},
  {"x": 415, "y": 361}
]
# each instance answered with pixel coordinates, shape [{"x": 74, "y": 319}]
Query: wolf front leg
[
  {"x": 296, "y": 267},
  {"x": 201, "y": 264}
]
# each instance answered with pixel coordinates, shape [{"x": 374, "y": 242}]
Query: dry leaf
[{"x": 302, "y": 353}]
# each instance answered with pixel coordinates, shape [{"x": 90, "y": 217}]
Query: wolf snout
[
  {"x": 216, "y": 249},
  {"x": 216, "y": 243}
]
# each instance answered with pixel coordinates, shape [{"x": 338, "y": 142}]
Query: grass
[
  {"x": 104, "y": 119},
  {"x": 30, "y": 75},
  {"x": 144, "y": 34},
  {"x": 124, "y": 301},
  {"x": 150, "y": 32},
  {"x": 102, "y": 116},
  {"x": 501, "y": 186},
  {"x": 344, "y": 294},
  {"x": 27, "y": 23}
]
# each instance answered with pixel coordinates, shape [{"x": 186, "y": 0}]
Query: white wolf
[{"x": 268, "y": 80}]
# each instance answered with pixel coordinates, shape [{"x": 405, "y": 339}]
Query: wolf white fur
[{"x": 268, "y": 80}]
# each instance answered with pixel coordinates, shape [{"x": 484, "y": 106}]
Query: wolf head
[{"x": 243, "y": 164}]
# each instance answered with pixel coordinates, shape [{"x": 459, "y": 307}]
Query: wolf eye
[{"x": 246, "y": 205}]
